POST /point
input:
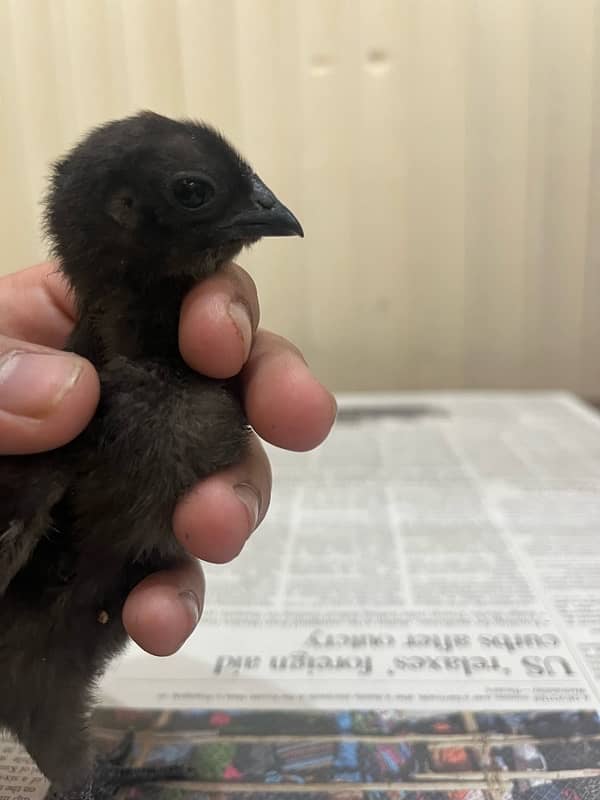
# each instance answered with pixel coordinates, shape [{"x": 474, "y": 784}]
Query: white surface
[{"x": 444, "y": 557}]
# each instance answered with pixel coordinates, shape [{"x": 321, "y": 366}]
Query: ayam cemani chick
[{"x": 137, "y": 213}]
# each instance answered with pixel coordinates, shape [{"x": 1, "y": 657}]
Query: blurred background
[{"x": 442, "y": 155}]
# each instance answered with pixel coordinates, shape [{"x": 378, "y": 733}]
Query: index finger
[{"x": 218, "y": 319}]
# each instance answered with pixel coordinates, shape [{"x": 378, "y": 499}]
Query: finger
[
  {"x": 47, "y": 397},
  {"x": 285, "y": 403},
  {"x": 36, "y": 306},
  {"x": 163, "y": 610},
  {"x": 218, "y": 318},
  {"x": 216, "y": 518}
]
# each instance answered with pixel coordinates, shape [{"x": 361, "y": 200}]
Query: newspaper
[{"x": 419, "y": 613}]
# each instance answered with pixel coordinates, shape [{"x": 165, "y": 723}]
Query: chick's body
[
  {"x": 157, "y": 432},
  {"x": 139, "y": 212}
]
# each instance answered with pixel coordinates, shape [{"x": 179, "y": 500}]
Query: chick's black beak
[{"x": 263, "y": 215}]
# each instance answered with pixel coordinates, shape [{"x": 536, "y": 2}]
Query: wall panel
[{"x": 443, "y": 156}]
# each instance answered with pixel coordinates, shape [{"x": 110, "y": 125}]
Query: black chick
[{"x": 137, "y": 213}]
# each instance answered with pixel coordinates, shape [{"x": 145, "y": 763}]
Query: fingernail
[
  {"x": 334, "y": 407},
  {"x": 191, "y": 603},
  {"x": 241, "y": 319},
  {"x": 250, "y": 498},
  {"x": 32, "y": 384}
]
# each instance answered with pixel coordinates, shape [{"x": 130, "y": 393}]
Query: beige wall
[{"x": 443, "y": 155}]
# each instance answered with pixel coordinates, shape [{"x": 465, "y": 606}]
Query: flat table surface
[{"x": 473, "y": 515}]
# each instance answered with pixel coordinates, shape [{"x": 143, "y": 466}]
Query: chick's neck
[{"x": 132, "y": 321}]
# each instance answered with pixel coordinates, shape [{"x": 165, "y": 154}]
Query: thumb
[{"x": 47, "y": 396}]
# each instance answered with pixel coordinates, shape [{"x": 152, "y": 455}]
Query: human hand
[{"x": 47, "y": 397}]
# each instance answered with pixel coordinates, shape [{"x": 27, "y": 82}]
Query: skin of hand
[{"x": 47, "y": 397}]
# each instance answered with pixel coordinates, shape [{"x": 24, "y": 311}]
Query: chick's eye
[{"x": 192, "y": 192}]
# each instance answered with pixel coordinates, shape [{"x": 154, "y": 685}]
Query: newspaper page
[{"x": 419, "y": 614}]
